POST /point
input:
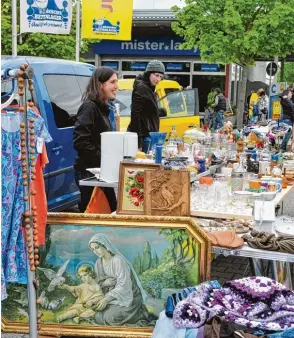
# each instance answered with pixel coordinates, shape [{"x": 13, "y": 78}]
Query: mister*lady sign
[{"x": 45, "y": 16}]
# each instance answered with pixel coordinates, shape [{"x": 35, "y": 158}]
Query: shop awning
[{"x": 153, "y": 15}]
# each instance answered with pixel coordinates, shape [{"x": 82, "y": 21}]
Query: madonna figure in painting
[{"x": 124, "y": 297}]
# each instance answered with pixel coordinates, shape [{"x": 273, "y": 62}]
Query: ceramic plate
[{"x": 285, "y": 229}]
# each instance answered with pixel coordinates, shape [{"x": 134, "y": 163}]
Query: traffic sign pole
[{"x": 270, "y": 80}]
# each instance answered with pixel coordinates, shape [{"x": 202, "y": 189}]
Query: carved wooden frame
[
  {"x": 169, "y": 178},
  {"x": 118, "y": 221}
]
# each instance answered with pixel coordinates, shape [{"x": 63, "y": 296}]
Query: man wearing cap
[{"x": 144, "y": 111}]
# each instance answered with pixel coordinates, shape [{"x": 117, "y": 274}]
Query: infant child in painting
[{"x": 88, "y": 294}]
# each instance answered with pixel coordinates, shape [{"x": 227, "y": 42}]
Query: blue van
[{"x": 59, "y": 85}]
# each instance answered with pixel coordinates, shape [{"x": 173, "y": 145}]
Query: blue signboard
[
  {"x": 143, "y": 46},
  {"x": 174, "y": 66},
  {"x": 139, "y": 66},
  {"x": 110, "y": 64},
  {"x": 205, "y": 67}
]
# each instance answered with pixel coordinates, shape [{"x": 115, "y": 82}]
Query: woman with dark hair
[
  {"x": 145, "y": 113},
  {"x": 92, "y": 120}
]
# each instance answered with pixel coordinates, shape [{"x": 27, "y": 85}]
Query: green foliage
[
  {"x": 236, "y": 31},
  {"x": 166, "y": 256},
  {"x": 183, "y": 247},
  {"x": 288, "y": 73},
  {"x": 39, "y": 44},
  {"x": 165, "y": 276},
  {"x": 146, "y": 258},
  {"x": 145, "y": 261},
  {"x": 155, "y": 261},
  {"x": 211, "y": 99},
  {"x": 137, "y": 265},
  {"x": 10, "y": 306}
]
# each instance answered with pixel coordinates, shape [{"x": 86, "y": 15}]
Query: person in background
[
  {"x": 248, "y": 98},
  {"x": 93, "y": 118},
  {"x": 288, "y": 117},
  {"x": 144, "y": 112},
  {"x": 219, "y": 108},
  {"x": 291, "y": 88},
  {"x": 263, "y": 103}
]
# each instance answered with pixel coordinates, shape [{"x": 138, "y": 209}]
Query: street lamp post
[{"x": 14, "y": 27}]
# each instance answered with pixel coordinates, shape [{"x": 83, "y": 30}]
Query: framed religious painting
[
  {"x": 110, "y": 275},
  {"x": 130, "y": 197}
]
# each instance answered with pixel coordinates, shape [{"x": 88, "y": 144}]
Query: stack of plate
[{"x": 284, "y": 225}]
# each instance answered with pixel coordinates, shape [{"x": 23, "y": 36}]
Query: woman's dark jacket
[
  {"x": 288, "y": 109},
  {"x": 92, "y": 119},
  {"x": 144, "y": 110}
]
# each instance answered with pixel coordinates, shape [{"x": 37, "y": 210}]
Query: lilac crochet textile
[{"x": 255, "y": 302}]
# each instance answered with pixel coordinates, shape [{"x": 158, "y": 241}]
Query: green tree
[
  {"x": 288, "y": 72},
  {"x": 183, "y": 247},
  {"x": 155, "y": 261},
  {"x": 137, "y": 265},
  {"x": 146, "y": 257},
  {"x": 39, "y": 44},
  {"x": 236, "y": 31}
]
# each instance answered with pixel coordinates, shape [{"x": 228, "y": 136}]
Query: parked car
[
  {"x": 59, "y": 85},
  {"x": 182, "y": 106}
]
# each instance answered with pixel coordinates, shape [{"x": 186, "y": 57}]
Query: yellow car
[{"x": 181, "y": 105}]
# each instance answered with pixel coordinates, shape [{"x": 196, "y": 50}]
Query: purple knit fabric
[{"x": 256, "y": 302}]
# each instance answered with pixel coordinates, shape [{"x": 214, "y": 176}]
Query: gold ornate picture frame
[
  {"x": 130, "y": 196},
  {"x": 109, "y": 276}
]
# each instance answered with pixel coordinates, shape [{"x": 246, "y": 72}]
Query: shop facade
[{"x": 153, "y": 38}]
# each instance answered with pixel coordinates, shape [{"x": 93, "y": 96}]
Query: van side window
[{"x": 65, "y": 92}]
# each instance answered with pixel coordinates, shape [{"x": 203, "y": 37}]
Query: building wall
[
  {"x": 258, "y": 73},
  {"x": 155, "y": 4}
]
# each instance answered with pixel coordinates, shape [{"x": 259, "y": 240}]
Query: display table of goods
[
  {"x": 217, "y": 200},
  {"x": 274, "y": 249}
]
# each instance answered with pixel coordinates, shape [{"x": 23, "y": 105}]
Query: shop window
[
  {"x": 207, "y": 67},
  {"x": 177, "y": 67},
  {"x": 134, "y": 66},
  {"x": 65, "y": 93},
  {"x": 111, "y": 64}
]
